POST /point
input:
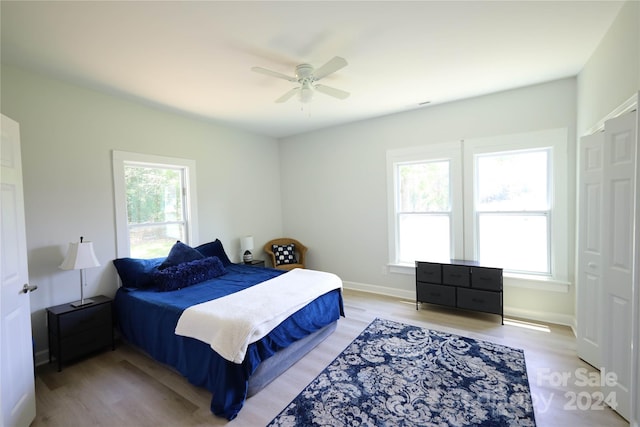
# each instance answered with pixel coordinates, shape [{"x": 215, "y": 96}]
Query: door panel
[
  {"x": 17, "y": 391},
  {"x": 619, "y": 201},
  {"x": 589, "y": 286}
]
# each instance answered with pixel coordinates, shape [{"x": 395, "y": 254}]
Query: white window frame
[
  {"x": 443, "y": 151},
  {"x": 120, "y": 159},
  {"x": 556, "y": 141},
  {"x": 464, "y": 242}
]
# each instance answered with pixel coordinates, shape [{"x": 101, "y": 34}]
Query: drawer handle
[
  {"x": 456, "y": 275},
  {"x": 477, "y": 300}
]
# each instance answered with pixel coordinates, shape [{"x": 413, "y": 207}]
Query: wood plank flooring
[{"x": 126, "y": 388}]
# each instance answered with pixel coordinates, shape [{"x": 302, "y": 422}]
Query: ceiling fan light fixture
[{"x": 306, "y": 93}]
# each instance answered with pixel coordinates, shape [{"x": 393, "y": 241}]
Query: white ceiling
[{"x": 195, "y": 57}]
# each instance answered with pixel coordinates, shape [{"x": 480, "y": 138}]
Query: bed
[{"x": 150, "y": 304}]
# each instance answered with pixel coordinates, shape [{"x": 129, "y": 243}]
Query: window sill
[{"x": 541, "y": 283}]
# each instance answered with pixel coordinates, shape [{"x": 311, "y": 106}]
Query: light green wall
[
  {"x": 335, "y": 191},
  {"x": 67, "y": 135},
  {"x": 334, "y": 182},
  {"x": 612, "y": 74}
]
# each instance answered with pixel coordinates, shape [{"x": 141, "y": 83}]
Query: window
[
  {"x": 512, "y": 210},
  {"x": 424, "y": 210},
  {"x": 154, "y": 203},
  {"x": 425, "y": 203},
  {"x": 499, "y": 200}
]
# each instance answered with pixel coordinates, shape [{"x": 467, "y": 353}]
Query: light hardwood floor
[{"x": 126, "y": 388}]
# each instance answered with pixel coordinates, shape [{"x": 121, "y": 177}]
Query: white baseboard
[
  {"x": 381, "y": 290},
  {"x": 42, "y": 357},
  {"x": 539, "y": 316}
]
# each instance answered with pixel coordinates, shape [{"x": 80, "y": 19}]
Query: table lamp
[
  {"x": 246, "y": 246},
  {"x": 80, "y": 256}
]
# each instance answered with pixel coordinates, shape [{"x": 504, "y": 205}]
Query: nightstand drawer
[
  {"x": 87, "y": 319},
  {"x": 456, "y": 275},
  {"x": 84, "y": 343},
  {"x": 486, "y": 301},
  {"x": 486, "y": 278},
  {"x": 436, "y": 294},
  {"x": 428, "y": 272}
]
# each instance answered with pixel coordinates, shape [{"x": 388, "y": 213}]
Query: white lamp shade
[
  {"x": 246, "y": 243},
  {"x": 80, "y": 255}
]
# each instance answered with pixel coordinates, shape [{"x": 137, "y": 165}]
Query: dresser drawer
[
  {"x": 86, "y": 319},
  {"x": 486, "y": 278},
  {"x": 436, "y": 294},
  {"x": 85, "y": 342},
  {"x": 486, "y": 301},
  {"x": 456, "y": 275},
  {"x": 428, "y": 272}
]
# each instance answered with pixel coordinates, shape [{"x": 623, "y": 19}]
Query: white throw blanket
[{"x": 229, "y": 324}]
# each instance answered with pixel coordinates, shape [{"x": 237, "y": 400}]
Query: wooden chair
[{"x": 300, "y": 250}]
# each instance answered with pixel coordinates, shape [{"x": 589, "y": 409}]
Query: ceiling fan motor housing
[{"x": 304, "y": 71}]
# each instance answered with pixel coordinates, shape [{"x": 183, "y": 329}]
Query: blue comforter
[{"x": 147, "y": 318}]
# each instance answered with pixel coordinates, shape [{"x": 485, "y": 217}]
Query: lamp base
[{"x": 82, "y": 303}]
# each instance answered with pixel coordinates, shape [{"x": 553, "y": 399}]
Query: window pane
[
  {"x": 153, "y": 194},
  {"x": 513, "y": 182},
  {"x": 153, "y": 241},
  {"x": 514, "y": 242},
  {"x": 424, "y": 238},
  {"x": 424, "y": 187},
  {"x": 154, "y": 209}
]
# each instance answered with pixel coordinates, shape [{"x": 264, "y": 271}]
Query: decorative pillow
[
  {"x": 188, "y": 274},
  {"x": 285, "y": 254},
  {"x": 137, "y": 273},
  {"x": 214, "y": 249},
  {"x": 180, "y": 253}
]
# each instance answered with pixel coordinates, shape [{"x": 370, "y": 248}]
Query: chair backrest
[{"x": 301, "y": 250}]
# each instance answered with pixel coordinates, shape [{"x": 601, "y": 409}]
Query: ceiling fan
[{"x": 306, "y": 76}]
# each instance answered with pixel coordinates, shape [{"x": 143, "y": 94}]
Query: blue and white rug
[{"x": 394, "y": 374}]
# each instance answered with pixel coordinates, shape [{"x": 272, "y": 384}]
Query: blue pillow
[
  {"x": 137, "y": 273},
  {"x": 180, "y": 253},
  {"x": 215, "y": 249},
  {"x": 188, "y": 274}
]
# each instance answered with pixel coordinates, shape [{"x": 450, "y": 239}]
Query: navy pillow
[
  {"x": 135, "y": 272},
  {"x": 214, "y": 249},
  {"x": 188, "y": 274},
  {"x": 285, "y": 254},
  {"x": 180, "y": 253}
]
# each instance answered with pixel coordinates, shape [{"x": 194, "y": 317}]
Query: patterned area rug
[{"x": 400, "y": 375}]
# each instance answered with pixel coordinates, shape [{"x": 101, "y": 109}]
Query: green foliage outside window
[{"x": 155, "y": 211}]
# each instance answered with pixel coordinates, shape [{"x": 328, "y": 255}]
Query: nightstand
[
  {"x": 78, "y": 331},
  {"x": 256, "y": 263}
]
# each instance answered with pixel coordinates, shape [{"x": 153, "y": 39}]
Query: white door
[
  {"x": 589, "y": 289},
  {"x": 17, "y": 391},
  {"x": 619, "y": 201}
]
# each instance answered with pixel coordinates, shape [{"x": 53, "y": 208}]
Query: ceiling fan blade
[
  {"x": 332, "y": 91},
  {"x": 330, "y": 67},
  {"x": 273, "y": 74},
  {"x": 288, "y": 95}
]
